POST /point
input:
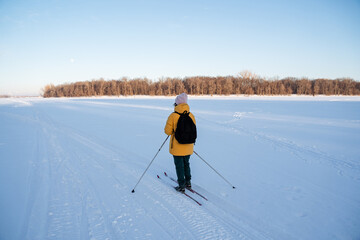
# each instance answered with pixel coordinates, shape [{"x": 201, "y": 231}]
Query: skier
[{"x": 181, "y": 152}]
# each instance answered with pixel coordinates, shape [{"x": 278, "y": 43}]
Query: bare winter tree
[{"x": 245, "y": 83}]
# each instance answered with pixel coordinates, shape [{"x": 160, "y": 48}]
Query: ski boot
[{"x": 180, "y": 189}]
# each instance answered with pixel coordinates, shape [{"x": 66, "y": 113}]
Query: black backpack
[{"x": 186, "y": 129}]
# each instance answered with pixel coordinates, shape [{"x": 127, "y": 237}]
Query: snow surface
[{"x": 67, "y": 168}]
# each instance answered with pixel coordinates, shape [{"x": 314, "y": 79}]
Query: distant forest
[{"x": 246, "y": 83}]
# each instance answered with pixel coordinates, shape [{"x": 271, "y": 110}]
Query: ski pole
[
  {"x": 214, "y": 170},
  {"x": 150, "y": 163}
]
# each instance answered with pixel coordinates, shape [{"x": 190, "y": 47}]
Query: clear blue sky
[{"x": 57, "y": 41}]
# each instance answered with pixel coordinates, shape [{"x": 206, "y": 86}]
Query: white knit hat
[{"x": 182, "y": 98}]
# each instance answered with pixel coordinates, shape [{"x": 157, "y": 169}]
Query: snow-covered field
[{"x": 67, "y": 168}]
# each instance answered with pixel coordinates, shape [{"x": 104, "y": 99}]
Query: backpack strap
[{"x": 184, "y": 113}]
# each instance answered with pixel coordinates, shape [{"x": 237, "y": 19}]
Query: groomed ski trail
[
  {"x": 79, "y": 188},
  {"x": 75, "y": 161}
]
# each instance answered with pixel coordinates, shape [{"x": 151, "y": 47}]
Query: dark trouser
[{"x": 182, "y": 169}]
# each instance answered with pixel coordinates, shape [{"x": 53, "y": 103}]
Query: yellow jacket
[{"x": 176, "y": 148}]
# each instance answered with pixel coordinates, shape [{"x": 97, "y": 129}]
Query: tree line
[{"x": 246, "y": 83}]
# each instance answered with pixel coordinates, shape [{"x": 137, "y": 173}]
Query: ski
[
  {"x": 187, "y": 195},
  {"x": 190, "y": 189}
]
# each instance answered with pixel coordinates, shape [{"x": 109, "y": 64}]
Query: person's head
[{"x": 182, "y": 98}]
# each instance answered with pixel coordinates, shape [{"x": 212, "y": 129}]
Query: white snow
[{"x": 67, "y": 168}]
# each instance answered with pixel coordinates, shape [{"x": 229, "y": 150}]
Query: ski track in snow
[
  {"x": 301, "y": 151},
  {"x": 67, "y": 199},
  {"x": 80, "y": 188}
]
